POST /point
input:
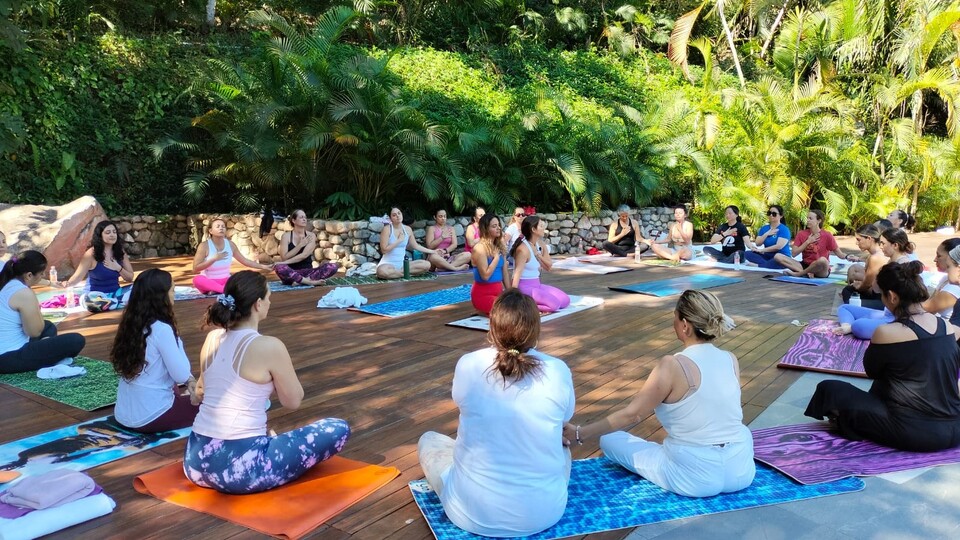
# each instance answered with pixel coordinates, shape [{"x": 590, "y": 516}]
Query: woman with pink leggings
[
  {"x": 213, "y": 259},
  {"x": 530, "y": 254}
]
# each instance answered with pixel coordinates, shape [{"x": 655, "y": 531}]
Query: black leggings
[
  {"x": 44, "y": 350},
  {"x": 622, "y": 250}
]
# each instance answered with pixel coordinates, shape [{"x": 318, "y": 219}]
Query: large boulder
[{"x": 61, "y": 233}]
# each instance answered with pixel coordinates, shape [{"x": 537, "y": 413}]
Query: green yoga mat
[
  {"x": 365, "y": 280},
  {"x": 98, "y": 388}
]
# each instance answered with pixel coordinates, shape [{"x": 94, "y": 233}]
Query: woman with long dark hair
[
  {"x": 229, "y": 449},
  {"x": 772, "y": 239},
  {"x": 213, "y": 259},
  {"x": 530, "y": 255},
  {"x": 507, "y": 471},
  {"x": 148, "y": 356},
  {"x": 491, "y": 273},
  {"x": 733, "y": 237},
  {"x": 27, "y": 342},
  {"x": 296, "y": 255},
  {"x": 104, "y": 264}
]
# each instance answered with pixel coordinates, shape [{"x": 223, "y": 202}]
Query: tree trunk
[
  {"x": 773, "y": 29},
  {"x": 733, "y": 48},
  {"x": 211, "y": 13}
]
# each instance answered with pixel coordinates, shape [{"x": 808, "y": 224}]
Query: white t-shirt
[
  {"x": 150, "y": 394},
  {"x": 511, "y": 234},
  {"x": 953, "y": 290},
  {"x": 509, "y": 475}
]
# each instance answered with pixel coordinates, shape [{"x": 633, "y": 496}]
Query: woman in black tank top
[
  {"x": 296, "y": 255},
  {"x": 624, "y": 234}
]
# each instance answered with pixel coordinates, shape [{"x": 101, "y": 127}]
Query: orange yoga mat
[{"x": 289, "y": 511}]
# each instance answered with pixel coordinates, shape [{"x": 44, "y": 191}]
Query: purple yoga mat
[
  {"x": 818, "y": 349},
  {"x": 811, "y": 454}
]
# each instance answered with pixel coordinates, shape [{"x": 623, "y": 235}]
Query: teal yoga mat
[
  {"x": 603, "y": 496},
  {"x": 672, "y": 286},
  {"x": 401, "y": 307}
]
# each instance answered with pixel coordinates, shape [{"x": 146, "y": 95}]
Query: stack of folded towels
[{"x": 49, "y": 502}]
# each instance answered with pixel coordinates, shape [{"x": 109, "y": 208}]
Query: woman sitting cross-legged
[
  {"x": 27, "y": 342},
  {"x": 472, "y": 234},
  {"x": 530, "y": 254},
  {"x": 678, "y": 243},
  {"x": 148, "y": 356},
  {"x": 395, "y": 239},
  {"x": 213, "y": 259},
  {"x": 491, "y": 274},
  {"x": 914, "y": 403},
  {"x": 624, "y": 235},
  {"x": 103, "y": 264},
  {"x": 506, "y": 473},
  {"x": 229, "y": 449},
  {"x": 772, "y": 239},
  {"x": 442, "y": 238},
  {"x": 296, "y": 255},
  {"x": 696, "y": 397},
  {"x": 733, "y": 237},
  {"x": 816, "y": 245}
]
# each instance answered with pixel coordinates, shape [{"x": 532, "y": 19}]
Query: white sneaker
[{"x": 65, "y": 362}]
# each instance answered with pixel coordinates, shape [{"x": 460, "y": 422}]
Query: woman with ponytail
[
  {"x": 27, "y": 342},
  {"x": 901, "y": 220},
  {"x": 229, "y": 449},
  {"x": 507, "y": 471},
  {"x": 530, "y": 254},
  {"x": 914, "y": 403},
  {"x": 696, "y": 397}
]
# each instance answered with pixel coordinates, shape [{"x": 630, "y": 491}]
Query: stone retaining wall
[{"x": 349, "y": 242}]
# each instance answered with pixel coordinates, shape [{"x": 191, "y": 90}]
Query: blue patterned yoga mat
[
  {"x": 816, "y": 282},
  {"x": 604, "y": 496},
  {"x": 79, "y": 447},
  {"x": 401, "y": 307},
  {"x": 191, "y": 293},
  {"x": 672, "y": 286}
]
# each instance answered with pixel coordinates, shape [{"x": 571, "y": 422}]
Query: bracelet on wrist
[{"x": 577, "y": 436}]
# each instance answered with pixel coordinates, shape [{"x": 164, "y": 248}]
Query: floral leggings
[
  {"x": 256, "y": 464},
  {"x": 289, "y": 276}
]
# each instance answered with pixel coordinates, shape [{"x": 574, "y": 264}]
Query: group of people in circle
[{"x": 506, "y": 471}]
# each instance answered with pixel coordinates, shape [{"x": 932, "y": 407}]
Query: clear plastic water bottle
[
  {"x": 855, "y": 299},
  {"x": 53, "y": 275},
  {"x": 736, "y": 261},
  {"x": 71, "y": 298},
  {"x": 636, "y": 252}
]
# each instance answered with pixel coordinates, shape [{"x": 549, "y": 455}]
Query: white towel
[
  {"x": 342, "y": 297},
  {"x": 61, "y": 372},
  {"x": 365, "y": 269},
  {"x": 42, "y": 522}
]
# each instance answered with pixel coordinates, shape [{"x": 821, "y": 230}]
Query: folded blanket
[
  {"x": 42, "y": 522},
  {"x": 53, "y": 488}
]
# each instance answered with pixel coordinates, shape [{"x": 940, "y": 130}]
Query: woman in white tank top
[
  {"x": 240, "y": 369},
  {"x": 696, "y": 396},
  {"x": 530, "y": 254},
  {"x": 213, "y": 259},
  {"x": 395, "y": 239}
]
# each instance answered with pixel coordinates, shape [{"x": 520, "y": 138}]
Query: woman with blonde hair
[
  {"x": 507, "y": 471},
  {"x": 695, "y": 395}
]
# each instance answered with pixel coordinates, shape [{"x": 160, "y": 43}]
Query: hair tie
[
  {"x": 513, "y": 352},
  {"x": 13, "y": 260},
  {"x": 227, "y": 300}
]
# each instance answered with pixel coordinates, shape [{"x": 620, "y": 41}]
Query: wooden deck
[{"x": 390, "y": 378}]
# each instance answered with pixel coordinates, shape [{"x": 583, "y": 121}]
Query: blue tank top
[
  {"x": 103, "y": 279},
  {"x": 497, "y": 275}
]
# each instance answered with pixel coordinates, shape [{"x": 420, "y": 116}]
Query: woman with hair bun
[
  {"x": 695, "y": 395},
  {"x": 229, "y": 449},
  {"x": 530, "y": 254},
  {"x": 901, "y": 220},
  {"x": 27, "y": 342},
  {"x": 507, "y": 471},
  {"x": 148, "y": 356},
  {"x": 914, "y": 402}
]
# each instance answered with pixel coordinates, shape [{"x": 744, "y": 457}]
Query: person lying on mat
[
  {"x": 442, "y": 238},
  {"x": 296, "y": 255},
  {"x": 733, "y": 237},
  {"x": 506, "y": 473},
  {"x": 148, "y": 356},
  {"x": 229, "y": 449},
  {"x": 395, "y": 239},
  {"x": 103, "y": 264},
  {"x": 914, "y": 403},
  {"x": 491, "y": 274},
  {"x": 624, "y": 236},
  {"x": 472, "y": 235},
  {"x": 213, "y": 259},
  {"x": 695, "y": 395},
  {"x": 772, "y": 239},
  {"x": 27, "y": 342},
  {"x": 678, "y": 243},
  {"x": 530, "y": 253},
  {"x": 862, "y": 322},
  {"x": 815, "y": 245}
]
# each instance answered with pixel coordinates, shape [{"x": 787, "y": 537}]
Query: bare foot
[
  {"x": 461, "y": 267},
  {"x": 842, "y": 330},
  {"x": 313, "y": 282}
]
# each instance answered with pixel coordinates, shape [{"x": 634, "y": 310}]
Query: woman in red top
[{"x": 816, "y": 245}]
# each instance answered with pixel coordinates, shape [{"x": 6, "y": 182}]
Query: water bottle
[
  {"x": 855, "y": 299},
  {"x": 406, "y": 268},
  {"x": 53, "y": 275},
  {"x": 636, "y": 252},
  {"x": 736, "y": 261},
  {"x": 71, "y": 298}
]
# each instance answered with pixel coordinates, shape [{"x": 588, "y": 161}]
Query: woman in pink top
[
  {"x": 443, "y": 239},
  {"x": 816, "y": 245},
  {"x": 213, "y": 259},
  {"x": 472, "y": 235},
  {"x": 229, "y": 449}
]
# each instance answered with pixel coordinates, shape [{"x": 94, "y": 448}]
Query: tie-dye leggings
[{"x": 256, "y": 464}]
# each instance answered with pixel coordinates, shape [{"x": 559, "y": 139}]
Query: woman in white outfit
[
  {"x": 395, "y": 239},
  {"x": 696, "y": 397}
]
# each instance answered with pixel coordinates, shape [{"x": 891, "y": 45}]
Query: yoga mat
[
  {"x": 811, "y": 454},
  {"x": 401, "y": 307},
  {"x": 79, "y": 447},
  {"x": 367, "y": 280},
  {"x": 572, "y": 264},
  {"x": 818, "y": 349},
  {"x": 661, "y": 262},
  {"x": 603, "y": 496},
  {"x": 816, "y": 282},
  {"x": 289, "y": 511},
  {"x": 672, "y": 286},
  {"x": 191, "y": 293},
  {"x": 577, "y": 303},
  {"x": 98, "y": 388}
]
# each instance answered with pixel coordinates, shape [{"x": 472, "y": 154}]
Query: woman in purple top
[{"x": 103, "y": 265}]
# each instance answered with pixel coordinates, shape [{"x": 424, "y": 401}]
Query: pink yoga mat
[
  {"x": 811, "y": 454},
  {"x": 818, "y": 349}
]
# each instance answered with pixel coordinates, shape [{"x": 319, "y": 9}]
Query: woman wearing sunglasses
[
  {"x": 512, "y": 232},
  {"x": 772, "y": 238}
]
